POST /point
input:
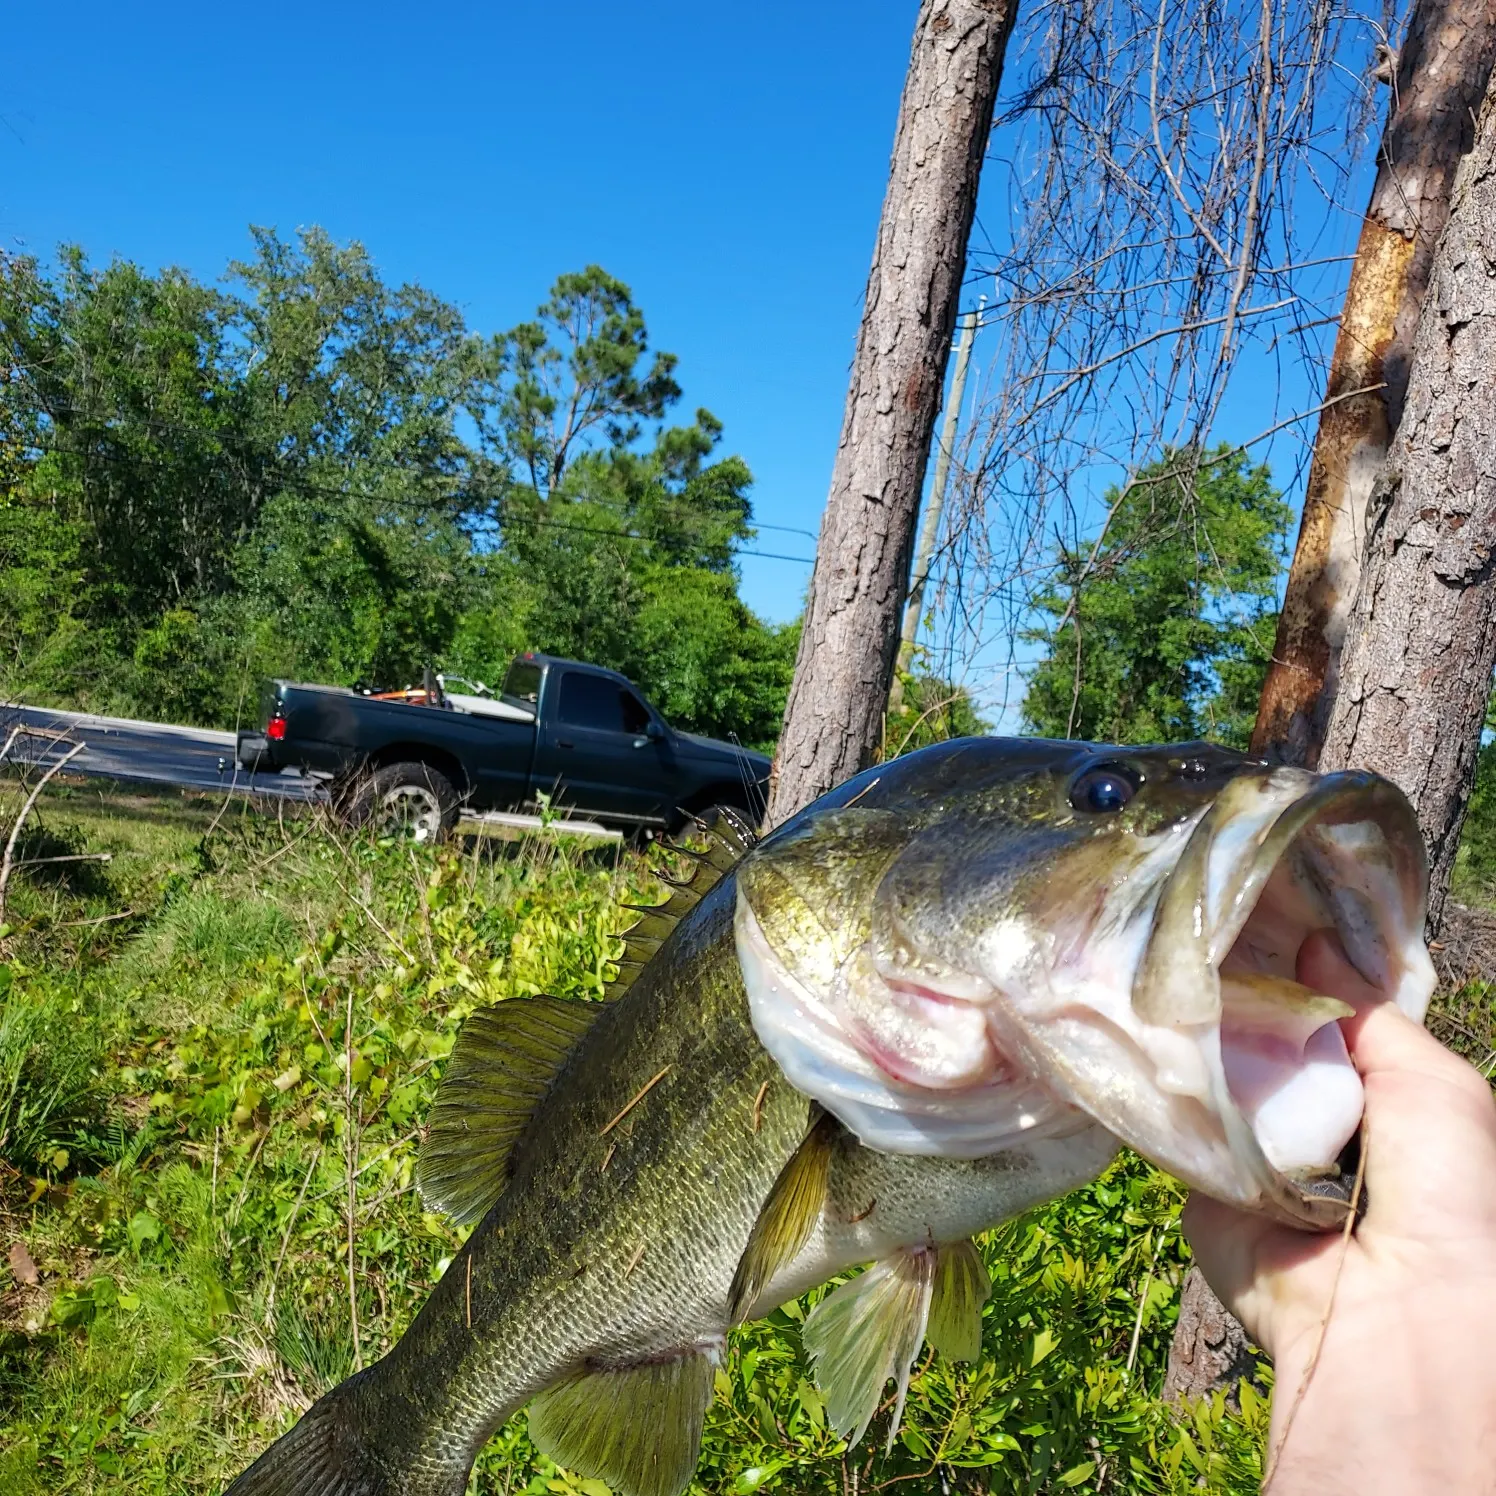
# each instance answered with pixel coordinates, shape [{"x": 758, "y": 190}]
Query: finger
[
  {"x": 1265, "y": 1274},
  {"x": 1430, "y": 1131},
  {"x": 1430, "y": 1118}
]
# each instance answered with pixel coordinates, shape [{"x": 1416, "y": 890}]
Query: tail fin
[{"x": 330, "y": 1453}]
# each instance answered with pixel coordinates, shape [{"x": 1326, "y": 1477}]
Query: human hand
[{"x": 1401, "y": 1370}]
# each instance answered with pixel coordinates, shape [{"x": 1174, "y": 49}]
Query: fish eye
[{"x": 1103, "y": 790}]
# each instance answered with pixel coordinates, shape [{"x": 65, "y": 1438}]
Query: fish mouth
[{"x": 1220, "y": 1008}]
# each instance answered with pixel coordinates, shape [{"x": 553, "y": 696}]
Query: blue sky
[{"x": 728, "y": 162}]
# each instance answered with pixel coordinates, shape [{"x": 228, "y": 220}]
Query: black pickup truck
[{"x": 578, "y": 734}]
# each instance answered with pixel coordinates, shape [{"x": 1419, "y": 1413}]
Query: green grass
[{"x": 180, "y": 1121}]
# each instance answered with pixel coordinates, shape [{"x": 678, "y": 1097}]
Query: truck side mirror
[{"x": 653, "y": 731}]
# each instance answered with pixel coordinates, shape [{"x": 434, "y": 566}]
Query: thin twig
[
  {"x": 31, "y": 799},
  {"x": 1324, "y": 1323},
  {"x": 758, "y": 1105},
  {"x": 290, "y": 1222},
  {"x": 70, "y": 857},
  {"x": 350, "y": 1159},
  {"x": 1137, "y": 1324},
  {"x": 1254, "y": 191},
  {"x": 639, "y": 1096}
]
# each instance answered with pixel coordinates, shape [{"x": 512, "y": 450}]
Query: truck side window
[
  {"x": 594, "y": 701},
  {"x": 635, "y": 717}
]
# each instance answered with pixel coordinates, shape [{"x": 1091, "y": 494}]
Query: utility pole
[
  {"x": 833, "y": 722},
  {"x": 930, "y": 531}
]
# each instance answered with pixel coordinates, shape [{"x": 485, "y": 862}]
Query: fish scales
[
  {"x": 543, "y": 1290},
  {"x": 938, "y": 996}
]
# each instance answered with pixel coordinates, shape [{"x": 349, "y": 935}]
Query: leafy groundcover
[{"x": 216, "y": 1050}]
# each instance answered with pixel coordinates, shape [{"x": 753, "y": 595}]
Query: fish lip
[{"x": 1178, "y": 980}]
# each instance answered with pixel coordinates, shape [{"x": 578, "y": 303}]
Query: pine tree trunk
[
  {"x": 1441, "y": 78},
  {"x": 1421, "y": 644},
  {"x": 833, "y": 722}
]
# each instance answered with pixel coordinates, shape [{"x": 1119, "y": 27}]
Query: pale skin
[{"x": 1402, "y": 1397}]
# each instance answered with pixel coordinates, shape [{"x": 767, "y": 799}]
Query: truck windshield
[{"x": 522, "y": 685}]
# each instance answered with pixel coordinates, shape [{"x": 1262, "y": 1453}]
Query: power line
[
  {"x": 156, "y": 423},
  {"x": 306, "y": 486}
]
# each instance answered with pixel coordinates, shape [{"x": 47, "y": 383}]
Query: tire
[{"x": 406, "y": 799}]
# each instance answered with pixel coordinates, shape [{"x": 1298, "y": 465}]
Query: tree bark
[
  {"x": 1441, "y": 79},
  {"x": 833, "y": 723},
  {"x": 1421, "y": 644},
  {"x": 1210, "y": 1349}
]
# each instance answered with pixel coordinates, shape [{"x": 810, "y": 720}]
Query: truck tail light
[{"x": 275, "y": 729}]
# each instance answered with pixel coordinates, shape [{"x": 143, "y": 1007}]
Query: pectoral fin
[
  {"x": 867, "y": 1331},
  {"x": 788, "y": 1216},
  {"x": 502, "y": 1065},
  {"x": 636, "y": 1428}
]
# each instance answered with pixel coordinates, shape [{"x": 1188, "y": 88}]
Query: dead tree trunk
[
  {"x": 1421, "y": 643},
  {"x": 833, "y": 723},
  {"x": 1441, "y": 77}
]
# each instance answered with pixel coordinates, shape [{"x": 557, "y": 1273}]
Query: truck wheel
[{"x": 410, "y": 799}]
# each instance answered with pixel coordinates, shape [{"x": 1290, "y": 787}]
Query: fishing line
[{"x": 1324, "y": 1322}]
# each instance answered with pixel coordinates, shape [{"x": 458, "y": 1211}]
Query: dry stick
[
  {"x": 1137, "y": 1324},
  {"x": 639, "y": 1096},
  {"x": 31, "y": 799},
  {"x": 232, "y": 1219},
  {"x": 1259, "y": 164},
  {"x": 758, "y": 1105},
  {"x": 71, "y": 857},
  {"x": 350, "y": 1158},
  {"x": 1324, "y": 1323},
  {"x": 103, "y": 919},
  {"x": 290, "y": 1222}
]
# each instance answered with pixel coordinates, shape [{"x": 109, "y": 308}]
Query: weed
[{"x": 238, "y": 1084}]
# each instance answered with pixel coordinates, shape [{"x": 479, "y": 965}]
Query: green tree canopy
[
  {"x": 308, "y": 471},
  {"x": 1164, "y": 632}
]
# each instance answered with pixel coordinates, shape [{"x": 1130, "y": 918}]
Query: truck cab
[{"x": 580, "y": 735}]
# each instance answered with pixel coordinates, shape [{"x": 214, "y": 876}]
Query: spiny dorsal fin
[
  {"x": 636, "y": 1428},
  {"x": 788, "y": 1216},
  {"x": 501, "y": 1065},
  {"x": 961, "y": 1288},
  {"x": 869, "y": 1329},
  {"x": 727, "y": 836}
]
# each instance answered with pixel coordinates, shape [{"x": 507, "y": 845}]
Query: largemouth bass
[{"x": 973, "y": 971}]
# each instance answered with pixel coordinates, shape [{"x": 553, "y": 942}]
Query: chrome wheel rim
[{"x": 411, "y": 810}]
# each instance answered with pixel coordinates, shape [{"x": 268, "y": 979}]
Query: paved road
[
  {"x": 196, "y": 758},
  {"x": 151, "y": 752}
]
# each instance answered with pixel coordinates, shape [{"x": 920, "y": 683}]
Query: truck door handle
[{"x": 563, "y": 742}]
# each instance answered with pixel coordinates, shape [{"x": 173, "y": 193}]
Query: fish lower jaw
[{"x": 1238, "y": 1004}]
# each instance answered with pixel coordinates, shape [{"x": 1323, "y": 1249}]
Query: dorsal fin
[
  {"x": 501, "y": 1066},
  {"x": 727, "y": 836}
]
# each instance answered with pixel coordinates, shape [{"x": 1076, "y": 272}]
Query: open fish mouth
[
  {"x": 1272, "y": 863},
  {"x": 955, "y": 983}
]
